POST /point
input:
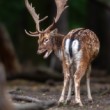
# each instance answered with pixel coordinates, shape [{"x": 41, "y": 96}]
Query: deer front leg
[
  {"x": 77, "y": 78},
  {"x": 88, "y": 83},
  {"x": 65, "y": 83}
]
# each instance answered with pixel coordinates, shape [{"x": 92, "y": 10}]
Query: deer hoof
[
  {"x": 68, "y": 101},
  {"x": 90, "y": 101},
  {"x": 61, "y": 103},
  {"x": 78, "y": 104}
]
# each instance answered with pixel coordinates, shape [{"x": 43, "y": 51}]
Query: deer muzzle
[{"x": 47, "y": 52}]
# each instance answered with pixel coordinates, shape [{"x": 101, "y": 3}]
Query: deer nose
[{"x": 40, "y": 50}]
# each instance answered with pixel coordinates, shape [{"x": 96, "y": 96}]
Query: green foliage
[
  {"x": 9, "y": 10},
  {"x": 77, "y": 13}
]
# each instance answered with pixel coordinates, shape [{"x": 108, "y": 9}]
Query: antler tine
[
  {"x": 34, "y": 15},
  {"x": 61, "y": 6},
  {"x": 33, "y": 34},
  {"x": 43, "y": 19}
]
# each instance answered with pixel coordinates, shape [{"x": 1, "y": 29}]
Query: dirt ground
[{"x": 51, "y": 90}]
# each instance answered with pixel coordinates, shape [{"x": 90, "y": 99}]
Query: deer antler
[
  {"x": 61, "y": 6},
  {"x": 35, "y": 16}
]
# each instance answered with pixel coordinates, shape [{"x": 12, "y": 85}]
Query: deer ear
[{"x": 54, "y": 31}]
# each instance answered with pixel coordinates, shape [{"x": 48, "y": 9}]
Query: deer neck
[{"x": 57, "y": 44}]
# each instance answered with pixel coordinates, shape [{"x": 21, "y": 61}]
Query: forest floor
[{"x": 51, "y": 90}]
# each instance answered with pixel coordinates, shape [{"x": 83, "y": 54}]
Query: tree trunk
[
  {"x": 99, "y": 22},
  {"x": 7, "y": 53}
]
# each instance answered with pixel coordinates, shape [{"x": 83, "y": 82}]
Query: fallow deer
[{"x": 76, "y": 50}]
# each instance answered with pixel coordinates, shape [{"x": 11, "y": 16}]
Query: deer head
[{"x": 45, "y": 36}]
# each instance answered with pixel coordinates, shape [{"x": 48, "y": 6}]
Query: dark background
[{"x": 92, "y": 14}]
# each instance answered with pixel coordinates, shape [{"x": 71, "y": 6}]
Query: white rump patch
[
  {"x": 77, "y": 54},
  {"x": 67, "y": 42},
  {"x": 75, "y": 46}
]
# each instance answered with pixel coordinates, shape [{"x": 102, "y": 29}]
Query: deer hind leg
[
  {"x": 68, "y": 99},
  {"x": 65, "y": 84},
  {"x": 88, "y": 83},
  {"x": 69, "y": 95},
  {"x": 80, "y": 71}
]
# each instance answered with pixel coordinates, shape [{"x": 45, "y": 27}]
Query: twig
[
  {"x": 33, "y": 106},
  {"x": 25, "y": 98},
  {"x": 105, "y": 92}
]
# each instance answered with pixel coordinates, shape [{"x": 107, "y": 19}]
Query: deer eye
[{"x": 46, "y": 40}]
